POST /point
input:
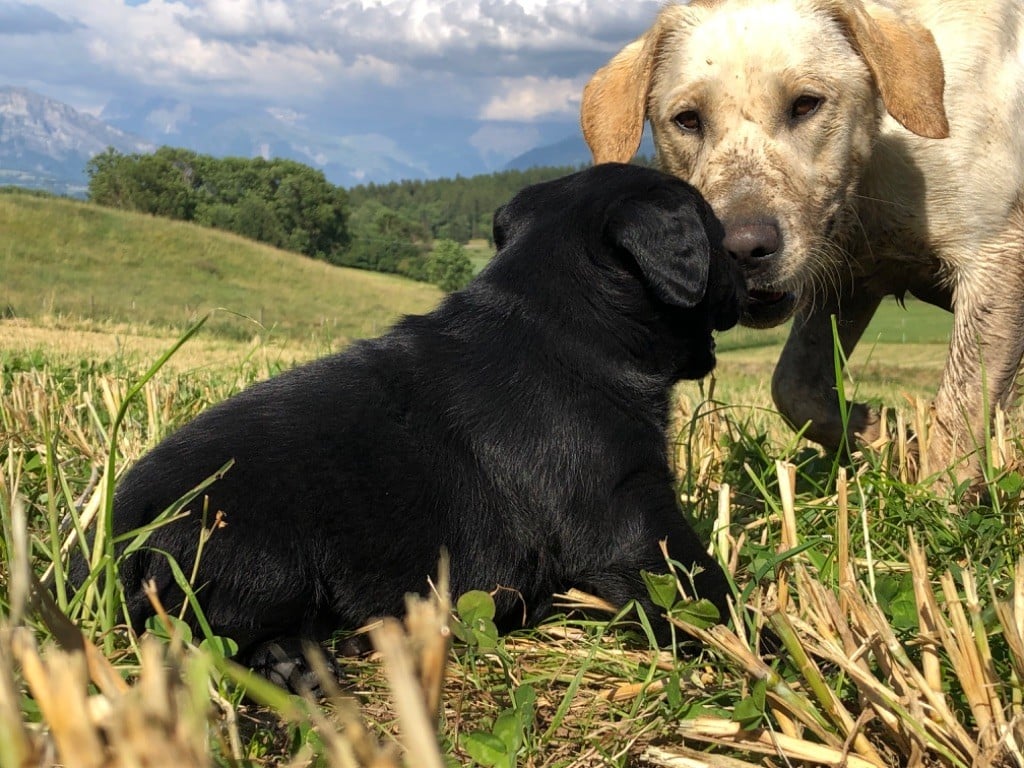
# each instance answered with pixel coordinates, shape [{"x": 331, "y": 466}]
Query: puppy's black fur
[{"x": 521, "y": 425}]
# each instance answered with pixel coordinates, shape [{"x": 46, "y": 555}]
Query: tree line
[
  {"x": 459, "y": 209},
  {"x": 413, "y": 228}
]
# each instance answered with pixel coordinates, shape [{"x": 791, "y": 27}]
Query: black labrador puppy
[{"x": 520, "y": 425}]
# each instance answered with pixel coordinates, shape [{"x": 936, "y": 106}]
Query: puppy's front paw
[{"x": 284, "y": 663}]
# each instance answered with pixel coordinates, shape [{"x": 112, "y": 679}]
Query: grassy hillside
[{"x": 64, "y": 258}]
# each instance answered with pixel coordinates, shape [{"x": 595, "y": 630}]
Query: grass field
[
  {"x": 898, "y": 613},
  {"x": 67, "y": 259}
]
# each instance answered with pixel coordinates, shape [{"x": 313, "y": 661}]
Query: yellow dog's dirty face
[
  {"x": 768, "y": 123},
  {"x": 770, "y": 110}
]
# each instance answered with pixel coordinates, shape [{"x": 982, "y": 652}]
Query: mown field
[{"x": 897, "y": 611}]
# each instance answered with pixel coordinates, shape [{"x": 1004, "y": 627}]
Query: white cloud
[
  {"x": 504, "y": 141},
  {"x": 530, "y": 98},
  {"x": 244, "y": 18},
  {"x": 494, "y": 36},
  {"x": 285, "y": 115},
  {"x": 253, "y": 44},
  {"x": 167, "y": 120},
  {"x": 367, "y": 67},
  {"x": 394, "y": 68}
]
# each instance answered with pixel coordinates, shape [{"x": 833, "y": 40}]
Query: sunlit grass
[{"x": 897, "y": 615}]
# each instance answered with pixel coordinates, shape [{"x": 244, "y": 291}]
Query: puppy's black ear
[
  {"x": 499, "y": 229},
  {"x": 670, "y": 245}
]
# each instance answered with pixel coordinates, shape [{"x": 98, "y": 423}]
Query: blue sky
[{"x": 508, "y": 67}]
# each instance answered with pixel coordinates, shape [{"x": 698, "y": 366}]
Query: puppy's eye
[
  {"x": 805, "y": 106},
  {"x": 688, "y": 121}
]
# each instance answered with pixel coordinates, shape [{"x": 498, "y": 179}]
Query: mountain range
[{"x": 46, "y": 144}]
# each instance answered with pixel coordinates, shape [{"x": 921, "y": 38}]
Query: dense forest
[
  {"x": 457, "y": 209},
  {"x": 413, "y": 228}
]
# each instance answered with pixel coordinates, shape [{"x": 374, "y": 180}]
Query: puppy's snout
[
  {"x": 751, "y": 241},
  {"x": 728, "y": 295}
]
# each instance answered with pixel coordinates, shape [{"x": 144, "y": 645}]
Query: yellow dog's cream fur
[{"x": 883, "y": 142}]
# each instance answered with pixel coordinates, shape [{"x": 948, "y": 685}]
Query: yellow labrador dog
[{"x": 853, "y": 151}]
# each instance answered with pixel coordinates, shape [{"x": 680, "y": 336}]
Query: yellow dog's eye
[
  {"x": 688, "y": 121},
  {"x": 805, "y": 106}
]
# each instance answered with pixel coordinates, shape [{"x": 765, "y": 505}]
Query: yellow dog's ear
[
  {"x": 615, "y": 102},
  {"x": 904, "y": 62}
]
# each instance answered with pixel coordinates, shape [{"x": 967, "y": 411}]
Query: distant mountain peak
[
  {"x": 45, "y": 143},
  {"x": 570, "y": 151}
]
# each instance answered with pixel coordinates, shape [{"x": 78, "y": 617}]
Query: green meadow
[
  {"x": 67, "y": 259},
  {"x": 878, "y": 622}
]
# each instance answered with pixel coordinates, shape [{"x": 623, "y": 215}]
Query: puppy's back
[{"x": 317, "y": 460}]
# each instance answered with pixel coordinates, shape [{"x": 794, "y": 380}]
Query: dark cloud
[
  {"x": 468, "y": 38},
  {"x": 25, "y": 19}
]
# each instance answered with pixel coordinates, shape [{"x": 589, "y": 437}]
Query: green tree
[
  {"x": 162, "y": 184},
  {"x": 385, "y": 241},
  {"x": 280, "y": 202},
  {"x": 108, "y": 183},
  {"x": 448, "y": 266}
]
